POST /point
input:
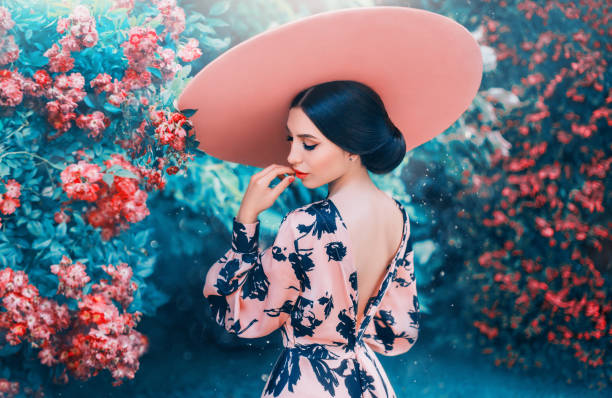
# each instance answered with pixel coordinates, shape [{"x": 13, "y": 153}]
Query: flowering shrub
[
  {"x": 536, "y": 292},
  {"x": 92, "y": 338},
  {"x": 89, "y": 134}
]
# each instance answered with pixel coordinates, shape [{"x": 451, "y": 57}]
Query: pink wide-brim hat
[{"x": 425, "y": 67}]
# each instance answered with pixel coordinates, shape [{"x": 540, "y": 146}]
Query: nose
[{"x": 294, "y": 156}]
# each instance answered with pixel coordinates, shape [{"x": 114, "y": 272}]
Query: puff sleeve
[
  {"x": 395, "y": 326},
  {"x": 251, "y": 292}
]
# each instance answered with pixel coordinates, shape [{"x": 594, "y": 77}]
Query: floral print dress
[{"x": 306, "y": 284}]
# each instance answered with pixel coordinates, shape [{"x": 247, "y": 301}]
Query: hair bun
[{"x": 352, "y": 116}]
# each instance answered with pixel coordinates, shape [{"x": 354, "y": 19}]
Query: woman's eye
[{"x": 307, "y": 147}]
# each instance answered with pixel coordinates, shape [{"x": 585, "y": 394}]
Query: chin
[{"x": 311, "y": 184}]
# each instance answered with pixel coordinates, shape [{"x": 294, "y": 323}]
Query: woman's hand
[{"x": 259, "y": 196}]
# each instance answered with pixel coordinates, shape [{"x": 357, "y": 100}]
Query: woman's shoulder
[
  {"x": 310, "y": 210},
  {"x": 310, "y": 214}
]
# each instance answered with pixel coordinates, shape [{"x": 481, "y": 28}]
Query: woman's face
[{"x": 312, "y": 153}]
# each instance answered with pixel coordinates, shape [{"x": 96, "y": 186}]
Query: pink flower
[
  {"x": 141, "y": 47},
  {"x": 59, "y": 60},
  {"x": 95, "y": 123},
  {"x": 78, "y": 180},
  {"x": 8, "y": 205},
  {"x": 13, "y": 189},
  {"x": 190, "y": 51},
  {"x": 128, "y": 4},
  {"x": 9, "y": 52},
  {"x": 11, "y": 93},
  {"x": 173, "y": 17},
  {"x": 72, "y": 277},
  {"x": 61, "y": 217},
  {"x": 6, "y": 21},
  {"x": 94, "y": 337}
]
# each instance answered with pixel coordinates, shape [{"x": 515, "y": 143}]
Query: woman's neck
[{"x": 353, "y": 184}]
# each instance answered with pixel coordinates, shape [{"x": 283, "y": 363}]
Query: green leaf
[
  {"x": 145, "y": 268},
  {"x": 60, "y": 230},
  {"x": 140, "y": 240},
  {"x": 35, "y": 228},
  {"x": 108, "y": 178},
  {"x": 111, "y": 108},
  {"x": 41, "y": 244},
  {"x": 216, "y": 22},
  {"x": 125, "y": 173},
  {"x": 89, "y": 101},
  {"x": 37, "y": 59},
  {"x": 202, "y": 28},
  {"x": 155, "y": 72},
  {"x": 184, "y": 72},
  {"x": 219, "y": 8},
  {"x": 217, "y": 44},
  {"x": 4, "y": 170},
  {"x": 188, "y": 112}
]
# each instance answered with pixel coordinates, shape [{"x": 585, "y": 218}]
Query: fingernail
[{"x": 291, "y": 179}]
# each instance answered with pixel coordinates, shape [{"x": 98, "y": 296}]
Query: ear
[{"x": 347, "y": 155}]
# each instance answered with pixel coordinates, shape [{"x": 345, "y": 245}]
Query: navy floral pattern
[{"x": 305, "y": 283}]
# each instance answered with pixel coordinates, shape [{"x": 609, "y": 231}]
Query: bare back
[{"x": 376, "y": 229}]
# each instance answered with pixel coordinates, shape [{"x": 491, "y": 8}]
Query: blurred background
[{"x": 110, "y": 217}]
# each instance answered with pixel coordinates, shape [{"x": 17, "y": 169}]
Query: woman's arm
[{"x": 251, "y": 292}]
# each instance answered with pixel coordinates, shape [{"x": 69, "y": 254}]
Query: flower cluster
[
  {"x": 140, "y": 48},
  {"x": 94, "y": 337},
  {"x": 173, "y": 17},
  {"x": 116, "y": 94},
  {"x": 166, "y": 63},
  {"x": 28, "y": 316},
  {"x": 9, "y": 200},
  {"x": 190, "y": 51},
  {"x": 117, "y": 200},
  {"x": 81, "y": 32},
  {"x": 169, "y": 128},
  {"x": 548, "y": 290},
  {"x": 93, "y": 334},
  {"x": 79, "y": 181},
  {"x": 95, "y": 123},
  {"x": 8, "y": 388},
  {"x": 66, "y": 92},
  {"x": 128, "y": 5},
  {"x": 72, "y": 278},
  {"x": 11, "y": 93},
  {"x": 9, "y": 52}
]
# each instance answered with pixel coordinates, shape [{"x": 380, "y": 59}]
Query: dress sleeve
[
  {"x": 395, "y": 326},
  {"x": 251, "y": 292}
]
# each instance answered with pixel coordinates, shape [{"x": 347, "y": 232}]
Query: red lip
[{"x": 299, "y": 174}]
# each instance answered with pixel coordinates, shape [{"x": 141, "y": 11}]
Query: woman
[
  {"x": 340, "y": 283},
  {"x": 339, "y": 278}
]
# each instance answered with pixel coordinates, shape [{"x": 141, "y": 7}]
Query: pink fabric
[{"x": 306, "y": 284}]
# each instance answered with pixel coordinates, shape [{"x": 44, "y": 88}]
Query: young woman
[
  {"x": 339, "y": 278},
  {"x": 306, "y": 99}
]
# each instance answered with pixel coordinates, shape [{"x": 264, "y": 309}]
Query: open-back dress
[{"x": 306, "y": 284}]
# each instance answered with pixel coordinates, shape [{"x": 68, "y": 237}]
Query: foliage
[
  {"x": 88, "y": 132},
  {"x": 527, "y": 257}
]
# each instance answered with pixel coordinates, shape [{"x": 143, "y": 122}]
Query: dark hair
[{"x": 352, "y": 115}]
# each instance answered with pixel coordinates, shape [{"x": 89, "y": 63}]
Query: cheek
[{"x": 326, "y": 163}]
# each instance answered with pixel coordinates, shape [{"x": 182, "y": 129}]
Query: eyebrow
[{"x": 301, "y": 135}]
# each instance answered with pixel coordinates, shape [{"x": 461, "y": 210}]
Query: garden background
[{"x": 110, "y": 217}]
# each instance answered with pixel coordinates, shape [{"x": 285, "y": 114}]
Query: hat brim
[{"x": 427, "y": 69}]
